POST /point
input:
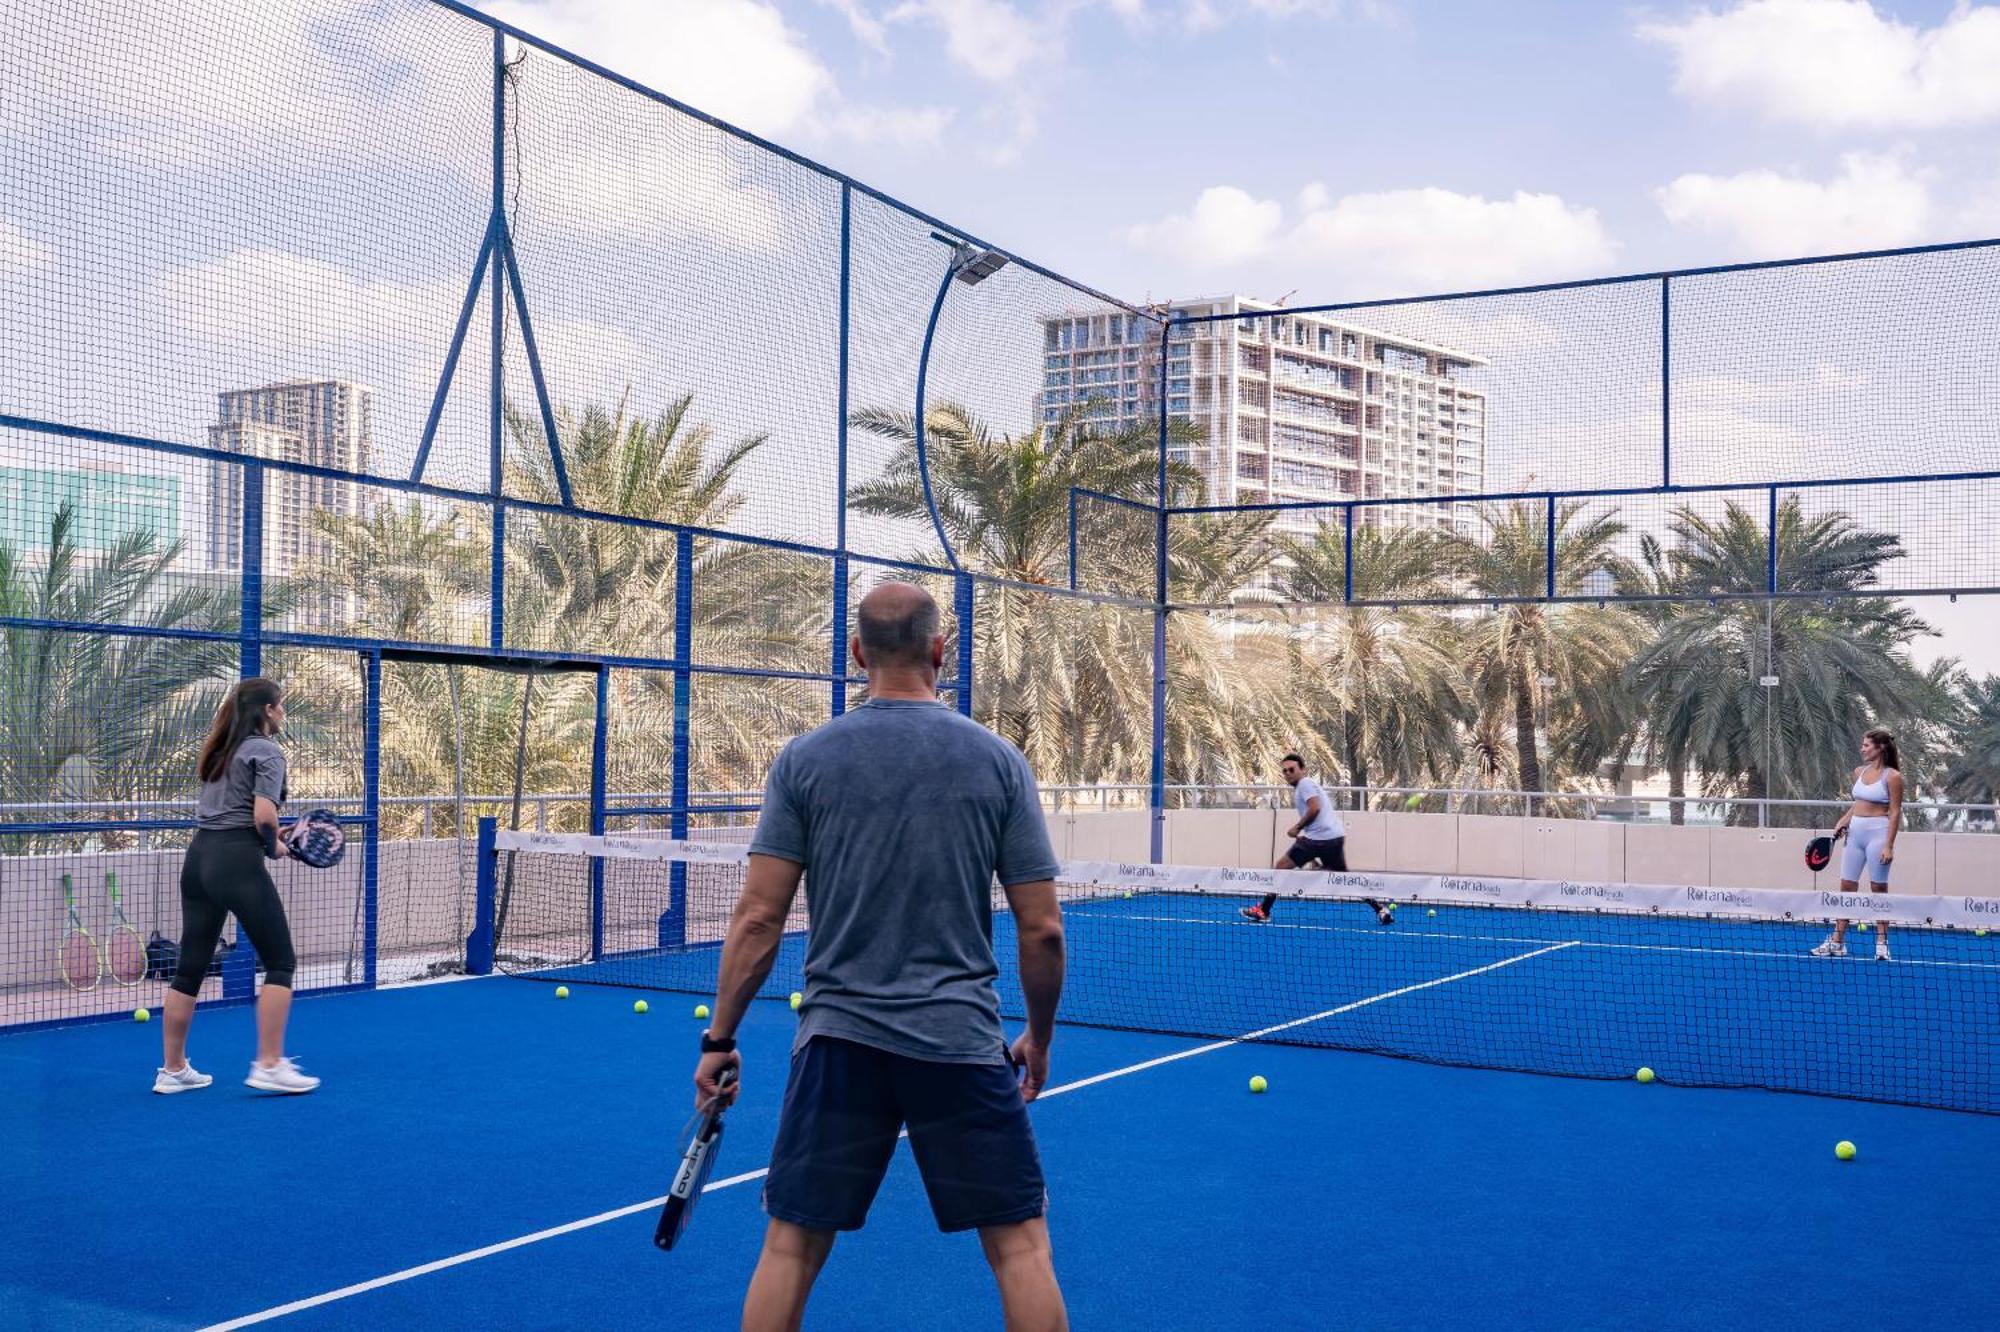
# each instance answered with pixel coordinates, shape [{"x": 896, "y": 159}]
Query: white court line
[
  {"x": 585, "y": 1223},
  {"x": 1382, "y": 932}
]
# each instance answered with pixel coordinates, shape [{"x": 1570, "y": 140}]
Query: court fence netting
[{"x": 1707, "y": 987}]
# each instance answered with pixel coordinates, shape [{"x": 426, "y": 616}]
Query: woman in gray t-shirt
[{"x": 236, "y": 831}]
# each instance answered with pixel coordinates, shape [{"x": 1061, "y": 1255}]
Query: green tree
[
  {"x": 1840, "y": 656},
  {"x": 1512, "y": 649},
  {"x": 1972, "y": 766},
  {"x": 1382, "y": 685}
]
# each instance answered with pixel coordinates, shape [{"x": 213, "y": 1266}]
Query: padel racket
[
  {"x": 1819, "y": 853},
  {"x": 704, "y": 1144},
  {"x": 124, "y": 951},
  {"x": 81, "y": 966}
]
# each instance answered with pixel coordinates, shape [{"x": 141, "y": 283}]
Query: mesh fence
[{"x": 542, "y": 437}]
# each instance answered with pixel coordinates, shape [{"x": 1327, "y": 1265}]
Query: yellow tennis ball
[
  {"x": 1844, "y": 1150},
  {"x": 1432, "y": 912},
  {"x": 640, "y": 1005},
  {"x": 1644, "y": 1075},
  {"x": 797, "y": 999},
  {"x": 142, "y": 1015},
  {"x": 562, "y": 991},
  {"x": 1980, "y": 933},
  {"x": 1257, "y": 1084},
  {"x": 700, "y": 1010}
]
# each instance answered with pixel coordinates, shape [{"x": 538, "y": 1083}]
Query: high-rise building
[
  {"x": 106, "y": 506},
  {"x": 324, "y": 422},
  {"x": 1290, "y": 406}
]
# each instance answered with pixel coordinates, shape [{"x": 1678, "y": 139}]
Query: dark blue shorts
[
  {"x": 1330, "y": 853},
  {"x": 844, "y": 1107}
]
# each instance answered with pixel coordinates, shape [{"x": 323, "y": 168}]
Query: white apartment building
[
  {"x": 1291, "y": 406},
  {"x": 325, "y": 422}
]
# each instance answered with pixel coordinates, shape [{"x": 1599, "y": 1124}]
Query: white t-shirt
[{"x": 1327, "y": 825}]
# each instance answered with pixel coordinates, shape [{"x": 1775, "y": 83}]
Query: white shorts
[{"x": 1865, "y": 839}]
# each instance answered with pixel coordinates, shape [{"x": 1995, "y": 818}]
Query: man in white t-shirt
[{"x": 1318, "y": 838}]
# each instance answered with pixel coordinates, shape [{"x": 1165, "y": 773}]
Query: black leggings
[{"x": 224, "y": 873}]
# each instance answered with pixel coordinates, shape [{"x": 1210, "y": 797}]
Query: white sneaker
[
  {"x": 1830, "y": 947},
  {"x": 181, "y": 1079},
  {"x": 1882, "y": 951},
  {"x": 283, "y": 1076}
]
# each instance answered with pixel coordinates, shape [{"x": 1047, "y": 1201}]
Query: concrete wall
[{"x": 1595, "y": 852}]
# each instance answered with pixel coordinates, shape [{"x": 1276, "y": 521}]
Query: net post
[
  {"x": 962, "y": 606},
  {"x": 239, "y": 966},
  {"x": 479, "y": 943},
  {"x": 673, "y": 921},
  {"x": 371, "y": 809},
  {"x": 1156, "y": 791},
  {"x": 598, "y": 757}
]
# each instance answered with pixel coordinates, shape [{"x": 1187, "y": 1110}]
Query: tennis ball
[
  {"x": 1432, "y": 913},
  {"x": 1980, "y": 933},
  {"x": 700, "y": 1010},
  {"x": 1257, "y": 1084},
  {"x": 1844, "y": 1150},
  {"x": 797, "y": 999},
  {"x": 142, "y": 1015},
  {"x": 562, "y": 991},
  {"x": 640, "y": 1005},
  {"x": 1644, "y": 1075}
]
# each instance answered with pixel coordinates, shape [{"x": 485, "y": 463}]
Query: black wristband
[
  {"x": 269, "y": 837},
  {"x": 717, "y": 1044}
]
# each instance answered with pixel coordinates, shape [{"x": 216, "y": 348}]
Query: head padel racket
[
  {"x": 124, "y": 951},
  {"x": 81, "y": 966},
  {"x": 704, "y": 1144}
]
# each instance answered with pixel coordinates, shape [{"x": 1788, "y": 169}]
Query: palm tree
[
  {"x": 1381, "y": 683},
  {"x": 110, "y": 716},
  {"x": 1066, "y": 681},
  {"x": 1577, "y": 649},
  {"x": 1972, "y": 768},
  {"x": 1841, "y": 662}
]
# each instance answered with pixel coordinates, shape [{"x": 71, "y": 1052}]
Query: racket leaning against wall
[
  {"x": 82, "y": 967},
  {"x": 124, "y": 950}
]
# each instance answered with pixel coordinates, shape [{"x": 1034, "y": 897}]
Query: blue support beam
[
  {"x": 542, "y": 401},
  {"x": 1156, "y": 797},
  {"x": 838, "y": 666},
  {"x": 599, "y": 757},
  {"x": 450, "y": 370},
  {"x": 1666, "y": 382},
  {"x": 964, "y": 605},
  {"x": 923, "y": 383},
  {"x": 673, "y": 921},
  {"x": 371, "y": 810}
]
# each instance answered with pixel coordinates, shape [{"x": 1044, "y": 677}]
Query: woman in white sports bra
[{"x": 1870, "y": 828}]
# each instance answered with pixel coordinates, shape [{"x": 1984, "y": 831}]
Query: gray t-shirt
[
  {"x": 903, "y": 814},
  {"x": 256, "y": 769}
]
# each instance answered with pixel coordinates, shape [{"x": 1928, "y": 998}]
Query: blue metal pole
[
  {"x": 450, "y": 370},
  {"x": 1666, "y": 382},
  {"x": 1072, "y": 538},
  {"x": 496, "y": 618},
  {"x": 923, "y": 379},
  {"x": 494, "y": 405},
  {"x": 479, "y": 944},
  {"x": 1549, "y": 551},
  {"x": 1347, "y": 558},
  {"x": 250, "y": 628},
  {"x": 513, "y": 267},
  {"x": 371, "y": 810},
  {"x": 1157, "y": 788},
  {"x": 1771, "y": 541},
  {"x": 673, "y": 924},
  {"x": 599, "y": 754},
  {"x": 963, "y": 603},
  {"x": 838, "y": 666},
  {"x": 239, "y": 968}
]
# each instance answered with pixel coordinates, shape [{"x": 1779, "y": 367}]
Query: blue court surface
[{"x": 483, "y": 1154}]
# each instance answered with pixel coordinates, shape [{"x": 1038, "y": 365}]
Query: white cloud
[
  {"x": 1840, "y": 63},
  {"x": 1390, "y": 243},
  {"x": 867, "y": 29},
  {"x": 990, "y": 39},
  {"x": 1875, "y": 202},
  {"x": 21, "y": 254}
]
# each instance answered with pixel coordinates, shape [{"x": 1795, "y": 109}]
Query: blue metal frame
[
  {"x": 599, "y": 757},
  {"x": 838, "y": 667},
  {"x": 673, "y": 922},
  {"x": 1666, "y": 382},
  {"x": 1156, "y": 797},
  {"x": 250, "y": 612},
  {"x": 479, "y": 944},
  {"x": 449, "y": 372},
  {"x": 371, "y": 808},
  {"x": 923, "y": 378},
  {"x": 513, "y": 267},
  {"x": 963, "y": 602}
]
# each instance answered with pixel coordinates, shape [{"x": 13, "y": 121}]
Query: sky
[{"x": 245, "y": 193}]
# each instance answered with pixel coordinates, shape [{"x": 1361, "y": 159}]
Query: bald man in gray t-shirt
[{"x": 900, "y": 816}]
